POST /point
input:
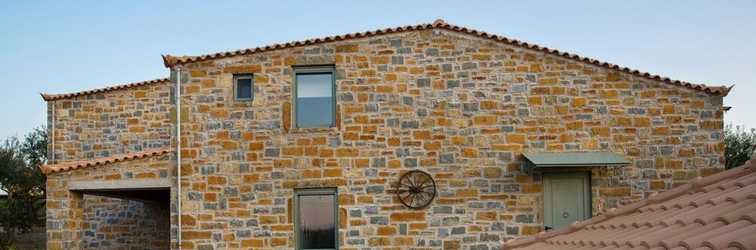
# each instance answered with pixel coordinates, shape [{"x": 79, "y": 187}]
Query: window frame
[
  {"x": 304, "y": 70},
  {"x": 316, "y": 191},
  {"x": 251, "y": 78}
]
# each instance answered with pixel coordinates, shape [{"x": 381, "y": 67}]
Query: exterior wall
[
  {"x": 459, "y": 107},
  {"x": 74, "y": 222},
  {"x": 123, "y": 224},
  {"x": 112, "y": 122}
]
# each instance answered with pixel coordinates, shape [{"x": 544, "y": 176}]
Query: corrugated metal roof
[{"x": 548, "y": 160}]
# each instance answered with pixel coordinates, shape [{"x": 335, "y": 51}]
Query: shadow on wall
[{"x": 119, "y": 223}]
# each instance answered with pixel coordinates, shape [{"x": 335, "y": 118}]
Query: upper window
[
  {"x": 316, "y": 218},
  {"x": 243, "y": 88},
  {"x": 314, "y": 102}
]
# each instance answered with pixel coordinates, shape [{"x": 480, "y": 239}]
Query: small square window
[
  {"x": 243, "y": 88},
  {"x": 316, "y": 218},
  {"x": 314, "y": 103}
]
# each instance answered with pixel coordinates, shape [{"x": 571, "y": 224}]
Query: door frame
[{"x": 584, "y": 175}]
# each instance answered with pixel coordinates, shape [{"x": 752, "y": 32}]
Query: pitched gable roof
[
  {"x": 170, "y": 61},
  {"x": 53, "y": 97},
  {"x": 67, "y": 166},
  {"x": 716, "y": 212}
]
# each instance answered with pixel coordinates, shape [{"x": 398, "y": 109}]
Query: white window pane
[
  {"x": 314, "y": 85},
  {"x": 317, "y": 225}
]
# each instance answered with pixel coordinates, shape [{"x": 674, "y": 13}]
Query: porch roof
[{"x": 532, "y": 161}]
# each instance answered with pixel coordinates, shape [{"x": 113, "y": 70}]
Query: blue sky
[{"x": 70, "y": 46}]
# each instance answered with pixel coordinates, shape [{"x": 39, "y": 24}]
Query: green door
[{"x": 566, "y": 199}]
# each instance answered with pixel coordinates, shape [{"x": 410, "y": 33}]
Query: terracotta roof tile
[
  {"x": 53, "y": 97},
  {"x": 67, "y": 166},
  {"x": 716, "y": 212},
  {"x": 170, "y": 61}
]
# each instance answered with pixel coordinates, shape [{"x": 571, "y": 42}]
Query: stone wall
[
  {"x": 457, "y": 106},
  {"x": 111, "y": 122},
  {"x": 79, "y": 221},
  {"x": 111, "y": 223}
]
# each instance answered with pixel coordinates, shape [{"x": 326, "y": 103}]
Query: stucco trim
[{"x": 119, "y": 185}]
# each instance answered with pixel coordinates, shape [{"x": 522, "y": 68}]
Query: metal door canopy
[{"x": 532, "y": 161}]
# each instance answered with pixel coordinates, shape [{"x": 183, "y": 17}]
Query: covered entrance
[
  {"x": 119, "y": 202},
  {"x": 150, "y": 191},
  {"x": 566, "y": 198},
  {"x": 566, "y": 183}
]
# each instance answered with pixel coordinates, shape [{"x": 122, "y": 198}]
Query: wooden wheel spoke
[
  {"x": 405, "y": 178},
  {"x": 422, "y": 184},
  {"x": 426, "y": 192},
  {"x": 411, "y": 181},
  {"x": 430, "y": 186},
  {"x": 422, "y": 195},
  {"x": 405, "y": 197},
  {"x": 405, "y": 185}
]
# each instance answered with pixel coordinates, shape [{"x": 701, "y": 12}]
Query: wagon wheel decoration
[{"x": 416, "y": 189}]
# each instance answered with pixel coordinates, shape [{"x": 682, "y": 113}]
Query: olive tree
[
  {"x": 740, "y": 144},
  {"x": 21, "y": 178}
]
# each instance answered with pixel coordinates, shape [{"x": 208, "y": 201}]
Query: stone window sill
[{"x": 314, "y": 130}]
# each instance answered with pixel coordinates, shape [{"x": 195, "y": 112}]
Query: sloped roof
[
  {"x": 716, "y": 212},
  {"x": 66, "y": 166},
  {"x": 171, "y": 61},
  {"x": 53, "y": 97}
]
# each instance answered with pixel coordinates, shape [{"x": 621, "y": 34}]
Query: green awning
[{"x": 550, "y": 160}]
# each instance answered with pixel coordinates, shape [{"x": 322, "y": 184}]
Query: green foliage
[
  {"x": 13, "y": 219},
  {"x": 739, "y": 145},
  {"x": 22, "y": 179}
]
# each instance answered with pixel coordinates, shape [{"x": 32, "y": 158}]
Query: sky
[{"x": 69, "y": 46}]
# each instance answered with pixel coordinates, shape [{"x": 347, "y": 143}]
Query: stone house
[{"x": 417, "y": 137}]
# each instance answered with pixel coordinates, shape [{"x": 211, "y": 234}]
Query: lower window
[{"x": 316, "y": 218}]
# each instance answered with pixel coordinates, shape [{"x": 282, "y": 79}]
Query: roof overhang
[
  {"x": 532, "y": 161},
  {"x": 171, "y": 61},
  {"x": 67, "y": 166},
  {"x": 144, "y": 190}
]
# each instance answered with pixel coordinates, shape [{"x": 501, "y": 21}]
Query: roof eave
[
  {"x": 171, "y": 61},
  {"x": 70, "y": 166},
  {"x": 584, "y": 165},
  {"x": 54, "y": 97}
]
